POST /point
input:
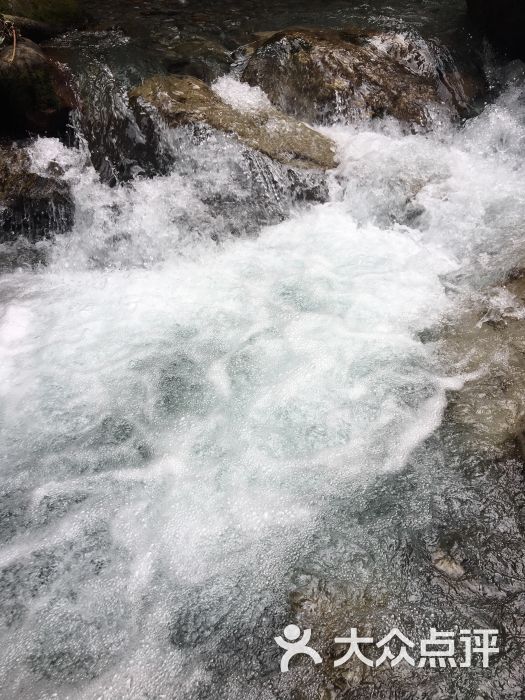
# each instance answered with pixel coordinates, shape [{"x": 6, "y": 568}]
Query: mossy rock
[
  {"x": 183, "y": 100},
  {"x": 57, "y": 13}
]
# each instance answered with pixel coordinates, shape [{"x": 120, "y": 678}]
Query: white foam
[{"x": 241, "y": 95}]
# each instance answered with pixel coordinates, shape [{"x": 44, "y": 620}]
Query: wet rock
[
  {"x": 34, "y": 92},
  {"x": 250, "y": 192},
  {"x": 201, "y": 58},
  {"x": 31, "y": 205},
  {"x": 447, "y": 565},
  {"x": 122, "y": 145},
  {"x": 188, "y": 101},
  {"x": 487, "y": 345},
  {"x": 322, "y": 75},
  {"x": 59, "y": 14},
  {"x": 503, "y": 22}
]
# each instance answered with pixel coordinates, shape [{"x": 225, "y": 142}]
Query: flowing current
[{"x": 193, "y": 422}]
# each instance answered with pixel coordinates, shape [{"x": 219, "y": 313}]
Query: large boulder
[
  {"x": 503, "y": 22},
  {"x": 61, "y": 14},
  {"x": 322, "y": 75},
  {"x": 189, "y": 101},
  {"x": 34, "y": 92},
  {"x": 31, "y": 205}
]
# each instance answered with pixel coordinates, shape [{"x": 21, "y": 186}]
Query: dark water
[{"x": 239, "y": 18}]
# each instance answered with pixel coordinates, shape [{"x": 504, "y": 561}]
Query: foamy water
[{"x": 178, "y": 416}]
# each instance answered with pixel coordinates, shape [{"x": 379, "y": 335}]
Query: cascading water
[{"x": 193, "y": 417}]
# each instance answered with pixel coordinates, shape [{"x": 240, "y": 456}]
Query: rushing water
[{"x": 219, "y": 411}]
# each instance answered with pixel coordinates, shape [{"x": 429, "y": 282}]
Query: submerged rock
[
  {"x": 319, "y": 75},
  {"x": 188, "y": 101},
  {"x": 34, "y": 92},
  {"x": 31, "y": 205},
  {"x": 487, "y": 343},
  {"x": 503, "y": 22}
]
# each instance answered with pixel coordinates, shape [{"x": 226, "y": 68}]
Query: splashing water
[
  {"x": 241, "y": 95},
  {"x": 180, "y": 417}
]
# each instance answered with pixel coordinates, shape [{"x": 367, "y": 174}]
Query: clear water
[{"x": 219, "y": 413}]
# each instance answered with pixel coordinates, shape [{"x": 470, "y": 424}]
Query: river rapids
[{"x": 218, "y": 400}]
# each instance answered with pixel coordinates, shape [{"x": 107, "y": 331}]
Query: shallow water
[{"x": 219, "y": 415}]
